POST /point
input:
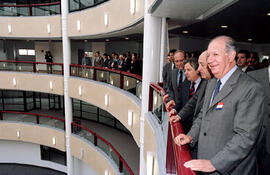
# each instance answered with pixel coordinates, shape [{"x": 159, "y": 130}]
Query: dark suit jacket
[
  {"x": 194, "y": 105},
  {"x": 262, "y": 76},
  {"x": 166, "y": 75},
  {"x": 227, "y": 136},
  {"x": 179, "y": 96}
]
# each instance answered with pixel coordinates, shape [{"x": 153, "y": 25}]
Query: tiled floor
[{"x": 123, "y": 142}]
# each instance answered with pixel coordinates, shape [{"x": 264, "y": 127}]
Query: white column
[
  {"x": 151, "y": 55},
  {"x": 68, "y": 107},
  {"x": 163, "y": 46}
]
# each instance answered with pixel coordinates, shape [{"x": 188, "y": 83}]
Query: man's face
[
  {"x": 96, "y": 54},
  {"x": 170, "y": 57},
  {"x": 251, "y": 59},
  {"x": 218, "y": 60},
  {"x": 179, "y": 59},
  {"x": 203, "y": 67},
  {"x": 241, "y": 60},
  {"x": 191, "y": 74}
]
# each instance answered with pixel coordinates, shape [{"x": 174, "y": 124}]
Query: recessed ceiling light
[
  {"x": 85, "y": 40},
  {"x": 268, "y": 14},
  {"x": 185, "y": 31},
  {"x": 249, "y": 39},
  {"x": 107, "y": 40},
  {"x": 224, "y": 26},
  {"x": 126, "y": 38}
]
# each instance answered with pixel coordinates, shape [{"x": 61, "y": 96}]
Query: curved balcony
[
  {"x": 45, "y": 9},
  {"x": 77, "y": 129}
]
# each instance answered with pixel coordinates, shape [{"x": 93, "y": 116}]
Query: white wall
[{"x": 28, "y": 153}]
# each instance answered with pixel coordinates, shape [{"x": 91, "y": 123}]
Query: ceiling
[{"x": 246, "y": 19}]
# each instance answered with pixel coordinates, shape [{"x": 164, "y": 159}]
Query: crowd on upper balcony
[{"x": 124, "y": 62}]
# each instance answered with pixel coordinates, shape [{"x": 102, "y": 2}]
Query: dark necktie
[
  {"x": 180, "y": 79},
  {"x": 216, "y": 89},
  {"x": 192, "y": 90}
]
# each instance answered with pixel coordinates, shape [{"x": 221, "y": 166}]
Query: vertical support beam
[
  {"x": 163, "y": 46},
  {"x": 67, "y": 99},
  {"x": 151, "y": 55}
]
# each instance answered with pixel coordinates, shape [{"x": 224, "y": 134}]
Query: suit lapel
[{"x": 227, "y": 88}]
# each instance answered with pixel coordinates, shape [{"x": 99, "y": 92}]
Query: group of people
[
  {"x": 123, "y": 62},
  {"x": 224, "y": 111}
]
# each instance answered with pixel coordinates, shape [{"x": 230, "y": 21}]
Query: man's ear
[{"x": 232, "y": 56}]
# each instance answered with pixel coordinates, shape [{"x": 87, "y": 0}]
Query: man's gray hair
[{"x": 229, "y": 43}]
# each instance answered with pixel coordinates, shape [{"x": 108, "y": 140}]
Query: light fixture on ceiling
[
  {"x": 224, "y": 26},
  {"x": 80, "y": 90},
  {"x": 107, "y": 40},
  {"x": 49, "y": 28},
  {"x": 9, "y": 28},
  {"x": 85, "y": 40},
  {"x": 250, "y": 39},
  {"x": 51, "y": 85},
  {"x": 78, "y": 25},
  {"x": 268, "y": 14},
  {"x": 53, "y": 140},
  {"x": 185, "y": 31},
  {"x": 106, "y": 100},
  {"x": 126, "y": 38},
  {"x": 130, "y": 117},
  {"x": 106, "y": 19},
  {"x": 132, "y": 5}
]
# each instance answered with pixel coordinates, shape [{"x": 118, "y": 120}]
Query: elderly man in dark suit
[
  {"x": 263, "y": 77},
  {"x": 228, "y": 126}
]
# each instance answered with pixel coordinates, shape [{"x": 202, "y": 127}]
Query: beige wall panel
[
  {"x": 92, "y": 157},
  {"x": 92, "y": 20},
  {"x": 32, "y": 82},
  {"x": 31, "y": 27},
  {"x": 32, "y": 133},
  {"x": 150, "y": 144},
  {"x": 119, "y": 104}
]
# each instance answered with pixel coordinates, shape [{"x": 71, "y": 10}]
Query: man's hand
[
  {"x": 165, "y": 97},
  {"x": 174, "y": 118},
  {"x": 169, "y": 105},
  {"x": 182, "y": 139},
  {"x": 172, "y": 112},
  {"x": 200, "y": 165}
]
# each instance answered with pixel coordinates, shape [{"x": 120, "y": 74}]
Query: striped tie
[{"x": 192, "y": 90}]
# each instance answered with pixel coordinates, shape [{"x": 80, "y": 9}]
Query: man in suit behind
[
  {"x": 230, "y": 121},
  {"x": 179, "y": 84},
  {"x": 263, "y": 77},
  {"x": 167, "y": 70}
]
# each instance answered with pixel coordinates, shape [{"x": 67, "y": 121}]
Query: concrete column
[
  {"x": 68, "y": 107},
  {"x": 151, "y": 66},
  {"x": 163, "y": 46}
]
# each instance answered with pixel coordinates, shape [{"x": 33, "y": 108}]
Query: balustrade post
[
  {"x": 120, "y": 165},
  {"x": 95, "y": 139},
  {"x": 62, "y": 69},
  {"x": 150, "y": 104},
  {"x": 37, "y": 118},
  {"x": 1, "y": 115},
  {"x": 121, "y": 81},
  {"x": 30, "y": 10},
  {"x": 95, "y": 74},
  {"x": 34, "y": 67}
]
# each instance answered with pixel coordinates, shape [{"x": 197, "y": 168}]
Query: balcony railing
[
  {"x": 77, "y": 129},
  {"x": 179, "y": 155},
  {"x": 45, "y": 9},
  {"x": 123, "y": 80}
]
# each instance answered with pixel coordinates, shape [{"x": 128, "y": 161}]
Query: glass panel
[
  {"x": 104, "y": 147},
  {"x": 130, "y": 84},
  {"x": 114, "y": 79},
  {"x": 106, "y": 120},
  {"x": 157, "y": 105},
  {"x": 114, "y": 157},
  {"x": 125, "y": 171},
  {"x": 139, "y": 89},
  {"x": 86, "y": 135},
  {"x": 102, "y": 76}
]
